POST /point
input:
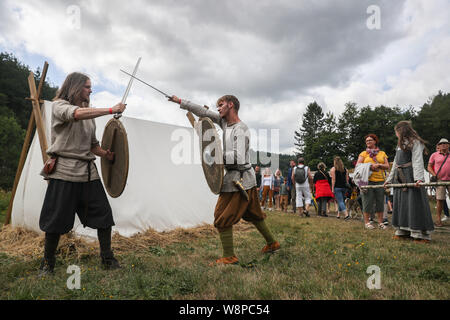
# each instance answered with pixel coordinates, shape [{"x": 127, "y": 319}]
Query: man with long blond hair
[
  {"x": 74, "y": 185},
  {"x": 231, "y": 206}
]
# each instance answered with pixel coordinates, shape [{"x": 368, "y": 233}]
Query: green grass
[{"x": 320, "y": 258}]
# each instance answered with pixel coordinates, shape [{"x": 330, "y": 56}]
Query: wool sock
[
  {"x": 226, "y": 237},
  {"x": 264, "y": 230},
  {"x": 51, "y": 243},
  {"x": 104, "y": 238}
]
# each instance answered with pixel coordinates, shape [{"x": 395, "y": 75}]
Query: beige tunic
[
  {"x": 236, "y": 145},
  {"x": 71, "y": 141}
]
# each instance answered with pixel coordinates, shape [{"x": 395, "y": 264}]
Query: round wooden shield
[
  {"x": 115, "y": 172},
  {"x": 211, "y": 154}
]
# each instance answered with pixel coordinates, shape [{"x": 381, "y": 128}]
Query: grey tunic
[
  {"x": 236, "y": 145},
  {"x": 72, "y": 141},
  {"x": 411, "y": 208}
]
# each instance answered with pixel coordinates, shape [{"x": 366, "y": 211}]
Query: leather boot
[
  {"x": 48, "y": 262},
  {"x": 109, "y": 262}
]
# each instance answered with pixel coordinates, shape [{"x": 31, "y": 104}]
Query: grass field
[{"x": 320, "y": 258}]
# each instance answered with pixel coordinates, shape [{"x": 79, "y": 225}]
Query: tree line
[
  {"x": 15, "y": 113},
  {"x": 323, "y": 136}
]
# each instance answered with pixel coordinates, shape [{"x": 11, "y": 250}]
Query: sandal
[
  {"x": 382, "y": 226},
  {"x": 369, "y": 226},
  {"x": 269, "y": 248},
  {"x": 225, "y": 261}
]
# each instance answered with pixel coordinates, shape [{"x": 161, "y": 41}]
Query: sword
[
  {"x": 133, "y": 76},
  {"x": 125, "y": 95}
]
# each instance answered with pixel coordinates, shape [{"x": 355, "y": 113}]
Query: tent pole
[
  {"x": 41, "y": 82},
  {"x": 38, "y": 117},
  {"x": 26, "y": 144}
]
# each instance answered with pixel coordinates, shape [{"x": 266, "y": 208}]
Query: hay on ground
[{"x": 29, "y": 245}]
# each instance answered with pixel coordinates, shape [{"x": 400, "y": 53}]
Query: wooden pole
[
  {"x": 191, "y": 119},
  {"x": 41, "y": 81},
  {"x": 406, "y": 185},
  {"x": 38, "y": 117},
  {"x": 26, "y": 144}
]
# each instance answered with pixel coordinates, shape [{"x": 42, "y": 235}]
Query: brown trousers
[
  {"x": 284, "y": 201},
  {"x": 231, "y": 207},
  {"x": 267, "y": 190}
]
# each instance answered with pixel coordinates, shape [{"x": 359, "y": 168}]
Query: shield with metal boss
[
  {"x": 211, "y": 154},
  {"x": 115, "y": 173}
]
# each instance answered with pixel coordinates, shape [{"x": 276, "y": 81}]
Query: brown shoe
[
  {"x": 271, "y": 247},
  {"x": 421, "y": 241},
  {"x": 227, "y": 260}
]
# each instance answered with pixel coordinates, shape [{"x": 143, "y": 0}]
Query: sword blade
[
  {"x": 124, "y": 99},
  {"x": 133, "y": 76}
]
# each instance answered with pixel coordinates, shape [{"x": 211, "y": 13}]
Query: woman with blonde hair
[
  {"x": 322, "y": 189},
  {"x": 339, "y": 185},
  {"x": 266, "y": 187},
  {"x": 411, "y": 216}
]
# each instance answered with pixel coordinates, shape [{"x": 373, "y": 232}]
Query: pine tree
[{"x": 308, "y": 134}]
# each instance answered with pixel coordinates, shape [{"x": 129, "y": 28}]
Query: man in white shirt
[{"x": 302, "y": 185}]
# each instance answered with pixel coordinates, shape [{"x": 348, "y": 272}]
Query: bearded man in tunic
[
  {"x": 74, "y": 185},
  {"x": 232, "y": 206}
]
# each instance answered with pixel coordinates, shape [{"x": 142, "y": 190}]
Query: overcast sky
[{"x": 275, "y": 56}]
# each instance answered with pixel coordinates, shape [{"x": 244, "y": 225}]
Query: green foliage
[
  {"x": 15, "y": 112},
  {"x": 11, "y": 139},
  {"x": 4, "y": 202},
  {"x": 307, "y": 136},
  {"x": 433, "y": 120},
  {"x": 321, "y": 137}
]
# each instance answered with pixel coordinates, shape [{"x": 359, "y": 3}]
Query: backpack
[{"x": 300, "y": 175}]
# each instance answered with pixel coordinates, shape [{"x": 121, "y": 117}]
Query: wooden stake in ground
[{"x": 36, "y": 101}]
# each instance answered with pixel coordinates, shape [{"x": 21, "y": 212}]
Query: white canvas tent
[{"x": 159, "y": 193}]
